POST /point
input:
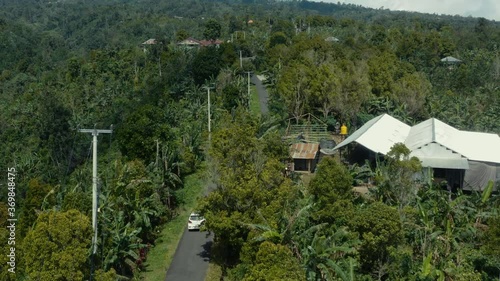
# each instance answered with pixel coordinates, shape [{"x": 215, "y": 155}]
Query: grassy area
[
  {"x": 214, "y": 272},
  {"x": 160, "y": 257},
  {"x": 254, "y": 101}
]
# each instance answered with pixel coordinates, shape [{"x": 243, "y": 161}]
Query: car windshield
[{"x": 196, "y": 218}]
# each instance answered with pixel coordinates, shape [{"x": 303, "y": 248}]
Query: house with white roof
[
  {"x": 450, "y": 60},
  {"x": 464, "y": 159}
]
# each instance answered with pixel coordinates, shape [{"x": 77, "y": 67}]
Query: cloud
[{"x": 489, "y": 9}]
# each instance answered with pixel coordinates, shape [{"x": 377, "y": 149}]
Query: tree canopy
[{"x": 69, "y": 65}]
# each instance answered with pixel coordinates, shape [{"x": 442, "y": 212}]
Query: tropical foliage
[{"x": 69, "y": 65}]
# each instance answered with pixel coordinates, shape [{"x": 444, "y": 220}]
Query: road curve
[{"x": 191, "y": 258}]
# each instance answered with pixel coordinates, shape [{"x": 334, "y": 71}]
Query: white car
[{"x": 195, "y": 221}]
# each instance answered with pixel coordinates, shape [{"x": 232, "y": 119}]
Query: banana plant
[
  {"x": 123, "y": 252},
  {"x": 327, "y": 257},
  {"x": 283, "y": 234},
  {"x": 429, "y": 271}
]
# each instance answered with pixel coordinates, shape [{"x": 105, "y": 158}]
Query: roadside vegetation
[
  {"x": 69, "y": 65},
  {"x": 160, "y": 256}
]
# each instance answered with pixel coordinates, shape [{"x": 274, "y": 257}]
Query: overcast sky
[{"x": 489, "y": 9}]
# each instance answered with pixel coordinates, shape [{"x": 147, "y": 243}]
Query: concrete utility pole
[
  {"x": 208, "y": 109},
  {"x": 241, "y": 61},
  {"x": 95, "y": 133},
  {"x": 248, "y": 72}
]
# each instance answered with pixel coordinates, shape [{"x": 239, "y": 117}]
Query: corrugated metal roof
[
  {"x": 379, "y": 134},
  {"x": 304, "y": 150}
]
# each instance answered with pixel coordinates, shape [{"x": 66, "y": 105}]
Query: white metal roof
[
  {"x": 476, "y": 146},
  {"x": 149, "y": 42},
  {"x": 472, "y": 145},
  {"x": 435, "y": 142},
  {"x": 430, "y": 130},
  {"x": 332, "y": 39},
  {"x": 379, "y": 134},
  {"x": 450, "y": 59},
  {"x": 437, "y": 156}
]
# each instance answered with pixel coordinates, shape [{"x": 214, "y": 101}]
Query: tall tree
[
  {"x": 206, "y": 65},
  {"x": 331, "y": 190},
  {"x": 382, "y": 72},
  {"x": 379, "y": 228},
  {"x": 212, "y": 30},
  {"x": 395, "y": 178},
  {"x": 250, "y": 187},
  {"x": 294, "y": 87},
  {"x": 138, "y": 135},
  {"x": 325, "y": 87},
  {"x": 275, "y": 262},
  {"x": 57, "y": 247},
  {"x": 39, "y": 196},
  {"x": 355, "y": 89},
  {"x": 412, "y": 91}
]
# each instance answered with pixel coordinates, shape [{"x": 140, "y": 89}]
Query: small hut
[
  {"x": 147, "y": 43},
  {"x": 305, "y": 156},
  {"x": 451, "y": 62}
]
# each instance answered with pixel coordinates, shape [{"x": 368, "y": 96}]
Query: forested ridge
[{"x": 69, "y": 65}]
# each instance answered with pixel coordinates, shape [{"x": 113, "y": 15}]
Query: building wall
[{"x": 479, "y": 174}]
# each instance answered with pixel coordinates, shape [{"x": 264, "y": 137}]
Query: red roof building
[{"x": 194, "y": 43}]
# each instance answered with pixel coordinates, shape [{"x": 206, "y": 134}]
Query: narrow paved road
[
  {"x": 191, "y": 258},
  {"x": 262, "y": 92},
  {"x": 190, "y": 262}
]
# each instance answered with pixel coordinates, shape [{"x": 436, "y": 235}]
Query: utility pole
[
  {"x": 95, "y": 133},
  {"x": 248, "y": 72},
  {"x": 157, "y": 153},
  {"x": 208, "y": 109},
  {"x": 159, "y": 65},
  {"x": 241, "y": 60}
]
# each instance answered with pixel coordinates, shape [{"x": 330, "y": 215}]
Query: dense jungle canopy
[{"x": 69, "y": 65}]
